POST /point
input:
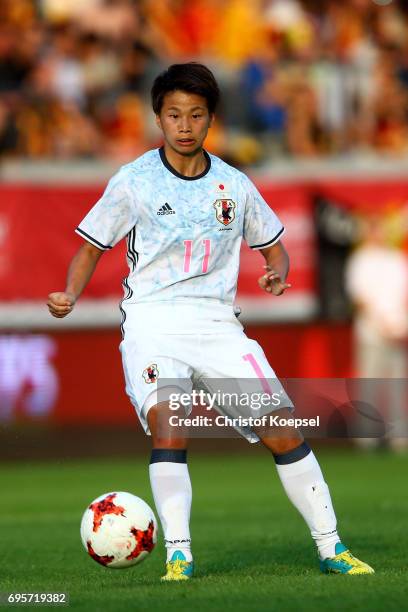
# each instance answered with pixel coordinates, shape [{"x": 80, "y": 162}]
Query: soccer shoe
[
  {"x": 344, "y": 563},
  {"x": 178, "y": 568}
]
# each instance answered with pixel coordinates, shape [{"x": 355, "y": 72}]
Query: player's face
[{"x": 184, "y": 120}]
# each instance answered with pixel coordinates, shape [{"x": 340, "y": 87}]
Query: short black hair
[{"x": 191, "y": 77}]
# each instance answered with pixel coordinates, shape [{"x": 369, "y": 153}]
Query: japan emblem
[
  {"x": 225, "y": 211},
  {"x": 151, "y": 373}
]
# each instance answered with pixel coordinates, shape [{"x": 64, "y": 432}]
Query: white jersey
[{"x": 183, "y": 233}]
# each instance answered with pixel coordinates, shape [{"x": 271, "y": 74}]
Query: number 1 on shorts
[{"x": 258, "y": 371}]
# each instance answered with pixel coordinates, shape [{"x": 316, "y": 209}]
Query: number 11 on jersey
[{"x": 188, "y": 253}]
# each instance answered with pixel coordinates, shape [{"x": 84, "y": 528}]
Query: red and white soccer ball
[{"x": 118, "y": 530}]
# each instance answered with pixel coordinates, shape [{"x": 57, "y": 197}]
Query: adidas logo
[{"x": 166, "y": 209}]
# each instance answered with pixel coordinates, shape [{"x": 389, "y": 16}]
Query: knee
[
  {"x": 285, "y": 442},
  {"x": 280, "y": 446},
  {"x": 163, "y": 434}
]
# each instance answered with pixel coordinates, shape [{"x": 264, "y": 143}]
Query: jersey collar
[{"x": 181, "y": 176}]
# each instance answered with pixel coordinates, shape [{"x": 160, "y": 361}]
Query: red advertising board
[
  {"x": 76, "y": 378},
  {"x": 37, "y": 241},
  {"x": 294, "y": 207},
  {"x": 365, "y": 196}
]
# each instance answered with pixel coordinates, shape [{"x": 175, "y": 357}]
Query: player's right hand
[{"x": 60, "y": 304}]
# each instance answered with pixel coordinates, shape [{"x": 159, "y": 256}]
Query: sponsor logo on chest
[{"x": 166, "y": 209}]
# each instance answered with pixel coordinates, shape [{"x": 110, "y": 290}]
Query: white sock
[
  {"x": 305, "y": 486},
  {"x": 172, "y": 494}
]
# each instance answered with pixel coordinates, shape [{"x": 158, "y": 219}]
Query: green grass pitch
[{"x": 252, "y": 549}]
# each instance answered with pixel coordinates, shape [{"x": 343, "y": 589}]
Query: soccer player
[{"x": 184, "y": 214}]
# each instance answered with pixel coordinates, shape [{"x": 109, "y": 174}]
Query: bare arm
[
  {"x": 80, "y": 270},
  {"x": 276, "y": 269}
]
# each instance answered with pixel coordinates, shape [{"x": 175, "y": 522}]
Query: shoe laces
[
  {"x": 348, "y": 558},
  {"x": 357, "y": 566}
]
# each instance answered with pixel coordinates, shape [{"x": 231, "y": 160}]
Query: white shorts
[{"x": 191, "y": 351}]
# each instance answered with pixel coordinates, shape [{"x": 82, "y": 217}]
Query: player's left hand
[{"x": 272, "y": 282}]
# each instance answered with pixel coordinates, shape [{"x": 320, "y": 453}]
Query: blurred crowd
[{"x": 299, "y": 78}]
